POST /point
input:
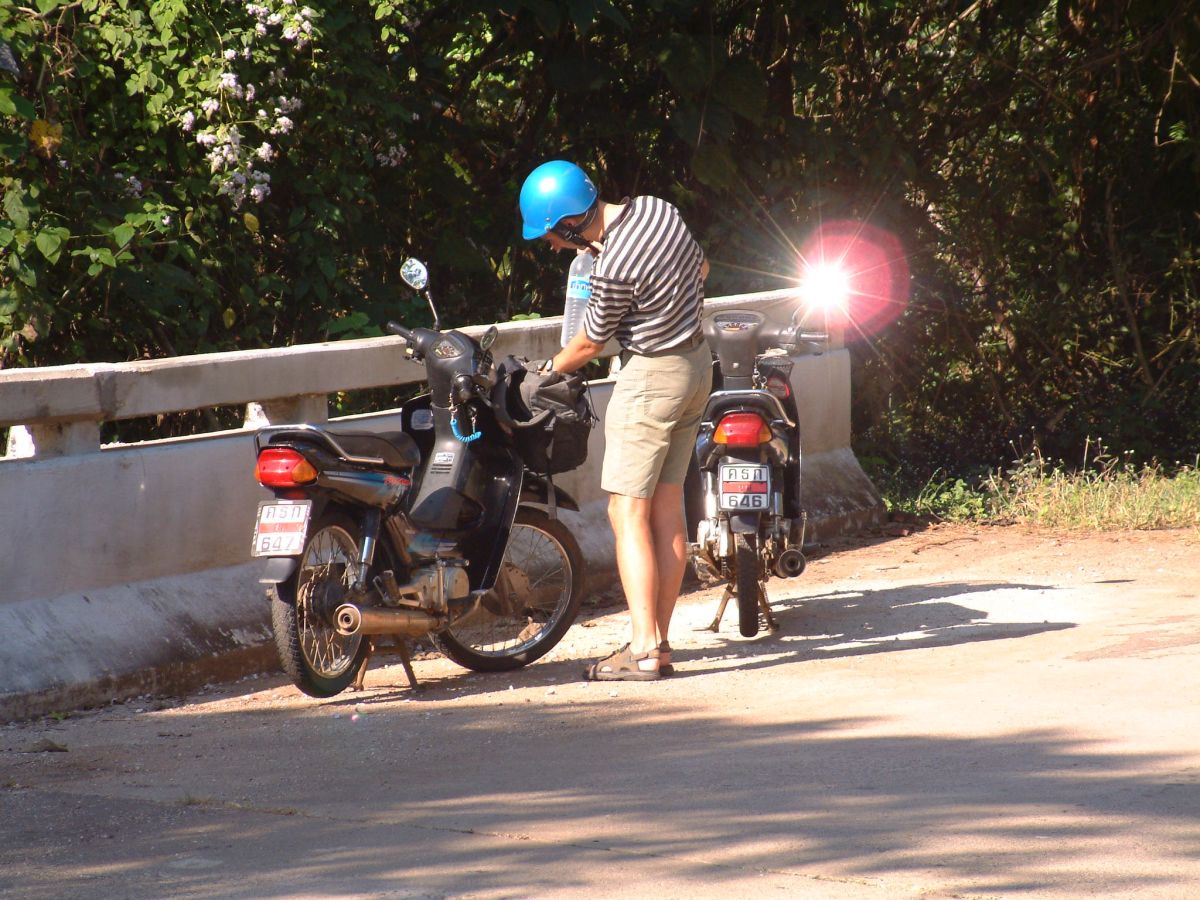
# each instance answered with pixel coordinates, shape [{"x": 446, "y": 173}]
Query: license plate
[
  {"x": 281, "y": 527},
  {"x": 745, "y": 487}
]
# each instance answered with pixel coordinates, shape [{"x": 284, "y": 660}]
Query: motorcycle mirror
[
  {"x": 414, "y": 273},
  {"x": 489, "y": 338},
  {"x": 416, "y": 276}
]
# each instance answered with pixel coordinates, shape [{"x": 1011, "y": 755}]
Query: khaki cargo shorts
[{"x": 652, "y": 418}]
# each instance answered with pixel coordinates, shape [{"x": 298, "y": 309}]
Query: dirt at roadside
[{"x": 916, "y": 550}]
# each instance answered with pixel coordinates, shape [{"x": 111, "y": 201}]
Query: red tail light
[
  {"x": 778, "y": 386},
  {"x": 742, "y": 430},
  {"x": 282, "y": 467}
]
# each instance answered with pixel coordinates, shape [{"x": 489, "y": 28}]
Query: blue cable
[{"x": 466, "y": 439}]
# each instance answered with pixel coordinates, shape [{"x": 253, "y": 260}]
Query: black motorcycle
[
  {"x": 434, "y": 530},
  {"x": 751, "y": 524}
]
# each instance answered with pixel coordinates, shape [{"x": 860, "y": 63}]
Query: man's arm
[{"x": 580, "y": 351}]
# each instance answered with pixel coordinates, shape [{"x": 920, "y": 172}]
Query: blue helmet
[{"x": 552, "y": 191}]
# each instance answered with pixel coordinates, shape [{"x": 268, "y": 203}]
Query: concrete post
[
  {"x": 53, "y": 439},
  {"x": 288, "y": 411}
]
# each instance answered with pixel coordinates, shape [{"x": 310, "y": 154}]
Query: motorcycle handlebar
[{"x": 397, "y": 328}]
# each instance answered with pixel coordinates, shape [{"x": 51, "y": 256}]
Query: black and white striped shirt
[{"x": 647, "y": 287}]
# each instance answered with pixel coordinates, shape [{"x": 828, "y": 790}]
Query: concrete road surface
[{"x": 965, "y": 713}]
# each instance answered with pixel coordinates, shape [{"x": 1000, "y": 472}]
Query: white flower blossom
[
  {"x": 307, "y": 12},
  {"x": 260, "y": 29},
  {"x": 210, "y": 105},
  {"x": 231, "y": 54},
  {"x": 189, "y": 121},
  {"x": 289, "y": 32},
  {"x": 229, "y": 80},
  {"x": 249, "y": 92},
  {"x": 393, "y": 157},
  {"x": 274, "y": 19},
  {"x": 265, "y": 152},
  {"x": 166, "y": 220},
  {"x": 133, "y": 187},
  {"x": 206, "y": 139},
  {"x": 282, "y": 125}
]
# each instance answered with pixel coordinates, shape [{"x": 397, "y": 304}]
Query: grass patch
[
  {"x": 1105, "y": 494},
  {"x": 1109, "y": 495}
]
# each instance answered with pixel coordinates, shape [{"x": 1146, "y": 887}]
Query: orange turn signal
[
  {"x": 281, "y": 467},
  {"x": 742, "y": 430}
]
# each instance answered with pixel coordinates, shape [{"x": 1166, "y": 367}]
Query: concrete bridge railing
[{"x": 125, "y": 568}]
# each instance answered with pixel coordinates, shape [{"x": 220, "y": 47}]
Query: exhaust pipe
[
  {"x": 791, "y": 563},
  {"x": 351, "y": 620}
]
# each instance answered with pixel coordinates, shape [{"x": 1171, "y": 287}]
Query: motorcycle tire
[
  {"x": 320, "y": 662},
  {"x": 545, "y": 556},
  {"x": 746, "y": 581}
]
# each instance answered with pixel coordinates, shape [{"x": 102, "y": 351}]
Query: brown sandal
[
  {"x": 665, "y": 669},
  {"x": 622, "y": 666}
]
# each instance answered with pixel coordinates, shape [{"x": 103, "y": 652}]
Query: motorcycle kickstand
[
  {"x": 357, "y": 684},
  {"x": 715, "y": 625},
  {"x": 406, "y": 661},
  {"x": 766, "y": 609}
]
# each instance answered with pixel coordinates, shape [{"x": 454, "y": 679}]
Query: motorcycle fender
[
  {"x": 278, "y": 569},
  {"x": 744, "y": 523}
]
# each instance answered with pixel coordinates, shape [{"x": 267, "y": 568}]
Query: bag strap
[{"x": 551, "y": 499}]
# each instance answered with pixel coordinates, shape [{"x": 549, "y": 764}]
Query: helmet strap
[{"x": 573, "y": 234}]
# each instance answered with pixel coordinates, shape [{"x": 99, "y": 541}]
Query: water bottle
[{"x": 579, "y": 292}]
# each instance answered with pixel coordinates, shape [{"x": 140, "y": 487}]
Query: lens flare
[
  {"x": 826, "y": 286},
  {"x": 855, "y": 275}
]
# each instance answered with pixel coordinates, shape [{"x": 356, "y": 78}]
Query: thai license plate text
[
  {"x": 745, "y": 487},
  {"x": 281, "y": 527}
]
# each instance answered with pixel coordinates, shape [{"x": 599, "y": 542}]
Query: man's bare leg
[
  {"x": 669, "y": 531},
  {"x": 638, "y": 567}
]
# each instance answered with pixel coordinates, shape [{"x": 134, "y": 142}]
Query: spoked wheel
[
  {"x": 320, "y": 661},
  {"x": 536, "y": 598},
  {"x": 746, "y": 581}
]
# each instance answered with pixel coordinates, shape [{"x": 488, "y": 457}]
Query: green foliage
[
  {"x": 1104, "y": 492},
  {"x": 1109, "y": 492},
  {"x": 1038, "y": 162},
  {"x": 938, "y": 497}
]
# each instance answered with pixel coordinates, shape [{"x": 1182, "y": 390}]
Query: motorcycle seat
[{"x": 397, "y": 449}]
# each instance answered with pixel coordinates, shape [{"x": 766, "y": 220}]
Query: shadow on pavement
[
  {"x": 821, "y": 626},
  {"x": 519, "y": 802}
]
